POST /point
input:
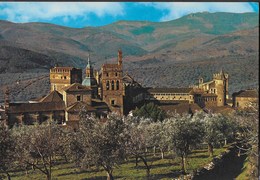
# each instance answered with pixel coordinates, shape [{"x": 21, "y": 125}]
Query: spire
[
  {"x": 119, "y": 58},
  {"x": 221, "y": 71},
  {"x": 88, "y": 65},
  {"x": 222, "y": 74},
  {"x": 89, "y": 69}
]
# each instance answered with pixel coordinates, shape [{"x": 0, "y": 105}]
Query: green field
[{"x": 167, "y": 168}]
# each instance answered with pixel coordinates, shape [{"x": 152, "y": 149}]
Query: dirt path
[{"x": 229, "y": 169}]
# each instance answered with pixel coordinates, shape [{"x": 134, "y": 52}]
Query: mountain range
[{"x": 165, "y": 54}]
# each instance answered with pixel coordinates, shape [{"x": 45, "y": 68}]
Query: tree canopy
[{"x": 151, "y": 111}]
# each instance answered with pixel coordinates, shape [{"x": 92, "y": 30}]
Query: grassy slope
[
  {"x": 167, "y": 168},
  {"x": 245, "y": 172}
]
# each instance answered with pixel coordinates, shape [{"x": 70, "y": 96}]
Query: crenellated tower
[
  {"x": 61, "y": 77},
  {"x": 221, "y": 84}
]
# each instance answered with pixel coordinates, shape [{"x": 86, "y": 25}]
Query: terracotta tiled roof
[
  {"x": 172, "y": 101},
  {"x": 220, "y": 109},
  {"x": 54, "y": 96},
  {"x": 98, "y": 104},
  {"x": 169, "y": 90},
  {"x": 197, "y": 91},
  {"x": 79, "y": 106},
  {"x": 35, "y": 107},
  {"x": 209, "y": 95},
  {"x": 181, "y": 108},
  {"x": 128, "y": 79},
  {"x": 246, "y": 93},
  {"x": 76, "y": 87}
]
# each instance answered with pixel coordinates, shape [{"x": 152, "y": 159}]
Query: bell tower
[{"x": 112, "y": 85}]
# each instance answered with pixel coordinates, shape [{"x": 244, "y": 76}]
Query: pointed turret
[
  {"x": 222, "y": 74},
  {"x": 120, "y": 56},
  {"x": 90, "y": 80},
  {"x": 89, "y": 69},
  {"x": 88, "y": 65}
]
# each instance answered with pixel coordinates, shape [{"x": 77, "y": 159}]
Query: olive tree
[
  {"x": 248, "y": 136},
  {"x": 217, "y": 128},
  {"x": 138, "y": 140},
  {"x": 102, "y": 142},
  {"x": 184, "y": 132},
  {"x": 36, "y": 146},
  {"x": 157, "y": 136},
  {"x": 7, "y": 145}
]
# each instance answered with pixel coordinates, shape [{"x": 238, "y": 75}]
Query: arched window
[
  {"x": 112, "y": 85},
  {"x": 107, "y": 85},
  {"x": 117, "y": 85}
]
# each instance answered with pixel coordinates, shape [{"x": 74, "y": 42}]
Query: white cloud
[
  {"x": 34, "y": 11},
  {"x": 178, "y": 9}
]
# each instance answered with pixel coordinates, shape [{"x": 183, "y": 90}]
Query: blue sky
[{"x": 81, "y": 14}]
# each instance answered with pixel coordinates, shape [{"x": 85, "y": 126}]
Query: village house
[{"x": 244, "y": 98}]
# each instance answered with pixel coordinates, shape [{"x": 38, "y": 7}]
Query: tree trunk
[
  {"x": 225, "y": 142},
  {"x": 8, "y": 175},
  {"x": 154, "y": 150},
  {"x": 50, "y": 164},
  {"x": 65, "y": 157},
  {"x": 210, "y": 149},
  {"x": 162, "y": 154},
  {"x": 183, "y": 164},
  {"x": 146, "y": 165},
  {"x": 109, "y": 175},
  {"x": 136, "y": 161},
  {"x": 48, "y": 176}
]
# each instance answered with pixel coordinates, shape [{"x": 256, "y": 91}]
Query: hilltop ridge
[{"x": 171, "y": 53}]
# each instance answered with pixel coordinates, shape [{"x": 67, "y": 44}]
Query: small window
[
  {"x": 117, "y": 85},
  {"x": 78, "y": 98},
  {"x": 112, "y": 85},
  {"x": 116, "y": 73},
  {"x": 107, "y": 74},
  {"x": 112, "y": 102},
  {"x": 107, "y": 85},
  {"x": 65, "y": 77}
]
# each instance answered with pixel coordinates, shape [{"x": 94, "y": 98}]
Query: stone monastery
[{"x": 110, "y": 90}]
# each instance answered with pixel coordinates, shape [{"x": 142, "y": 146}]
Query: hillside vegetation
[{"x": 172, "y": 53}]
